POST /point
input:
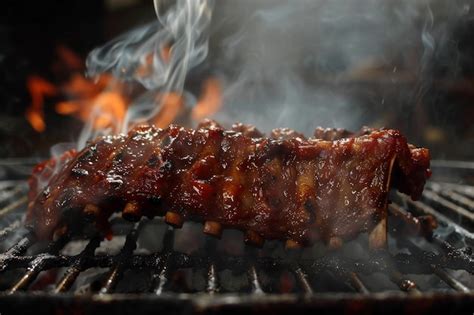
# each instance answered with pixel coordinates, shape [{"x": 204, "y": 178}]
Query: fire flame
[
  {"x": 210, "y": 101},
  {"x": 38, "y": 88},
  {"x": 172, "y": 104},
  {"x": 104, "y": 102}
]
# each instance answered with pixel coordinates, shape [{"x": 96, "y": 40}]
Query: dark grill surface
[{"x": 149, "y": 267}]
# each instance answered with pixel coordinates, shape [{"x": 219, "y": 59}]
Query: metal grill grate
[{"x": 430, "y": 275}]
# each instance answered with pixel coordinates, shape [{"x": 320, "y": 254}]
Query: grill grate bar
[
  {"x": 39, "y": 264},
  {"x": 450, "y": 249},
  {"x": 453, "y": 210},
  {"x": 13, "y": 206},
  {"x": 14, "y": 226},
  {"x": 457, "y": 257},
  {"x": 182, "y": 260},
  {"x": 122, "y": 260},
  {"x": 450, "y": 280},
  {"x": 212, "y": 277},
  {"x": 252, "y": 274},
  {"x": 161, "y": 278},
  {"x": 114, "y": 276},
  {"x": 303, "y": 280},
  {"x": 16, "y": 250},
  {"x": 8, "y": 195},
  {"x": 255, "y": 285},
  {"x": 459, "y": 198},
  {"x": 465, "y": 190},
  {"x": 404, "y": 284},
  {"x": 76, "y": 268},
  {"x": 357, "y": 283},
  {"x": 212, "y": 280},
  {"x": 68, "y": 279},
  {"x": 439, "y": 271},
  {"x": 422, "y": 208}
]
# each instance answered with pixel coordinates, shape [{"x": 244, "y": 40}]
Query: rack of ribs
[{"x": 329, "y": 187}]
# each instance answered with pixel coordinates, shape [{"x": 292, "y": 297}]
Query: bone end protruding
[
  {"x": 378, "y": 235},
  {"x": 335, "y": 242},
  {"x": 132, "y": 212},
  {"x": 254, "y": 239},
  {"x": 174, "y": 219},
  {"x": 292, "y": 244},
  {"x": 213, "y": 228},
  {"x": 91, "y": 211}
]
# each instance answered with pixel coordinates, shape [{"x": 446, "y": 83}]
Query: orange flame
[
  {"x": 38, "y": 88},
  {"x": 172, "y": 105},
  {"x": 210, "y": 101},
  {"x": 104, "y": 99}
]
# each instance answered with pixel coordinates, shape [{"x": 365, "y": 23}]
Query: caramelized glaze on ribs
[{"x": 287, "y": 187}]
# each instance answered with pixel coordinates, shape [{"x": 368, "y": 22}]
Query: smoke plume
[
  {"x": 305, "y": 63},
  {"x": 157, "y": 55},
  {"x": 295, "y": 64}
]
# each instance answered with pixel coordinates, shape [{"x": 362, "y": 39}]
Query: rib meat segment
[{"x": 284, "y": 187}]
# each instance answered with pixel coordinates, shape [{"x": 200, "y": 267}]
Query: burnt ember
[{"x": 284, "y": 187}]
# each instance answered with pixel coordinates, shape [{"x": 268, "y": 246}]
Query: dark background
[{"x": 30, "y": 31}]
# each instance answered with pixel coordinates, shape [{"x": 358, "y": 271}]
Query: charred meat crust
[{"x": 284, "y": 187}]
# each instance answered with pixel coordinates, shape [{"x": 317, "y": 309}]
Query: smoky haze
[
  {"x": 297, "y": 64},
  {"x": 141, "y": 56},
  {"x": 305, "y": 63}
]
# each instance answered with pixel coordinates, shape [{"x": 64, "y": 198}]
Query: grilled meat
[{"x": 284, "y": 187}]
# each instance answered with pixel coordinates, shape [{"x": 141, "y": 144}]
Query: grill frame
[
  {"x": 375, "y": 303},
  {"x": 256, "y": 300}
]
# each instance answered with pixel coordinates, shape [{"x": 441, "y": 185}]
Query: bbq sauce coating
[{"x": 282, "y": 187}]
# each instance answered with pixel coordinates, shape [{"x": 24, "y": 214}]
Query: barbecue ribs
[{"x": 330, "y": 187}]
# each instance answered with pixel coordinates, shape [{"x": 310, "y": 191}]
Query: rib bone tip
[
  {"x": 91, "y": 210},
  {"x": 378, "y": 235},
  {"x": 213, "y": 228},
  {"x": 131, "y": 212},
  {"x": 335, "y": 242},
  {"x": 291, "y": 244},
  {"x": 174, "y": 219},
  {"x": 254, "y": 239}
]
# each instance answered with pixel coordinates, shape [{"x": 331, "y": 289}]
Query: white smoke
[
  {"x": 293, "y": 63},
  {"x": 182, "y": 28},
  {"x": 303, "y": 63}
]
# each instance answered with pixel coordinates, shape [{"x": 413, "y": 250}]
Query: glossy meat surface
[{"x": 282, "y": 187}]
